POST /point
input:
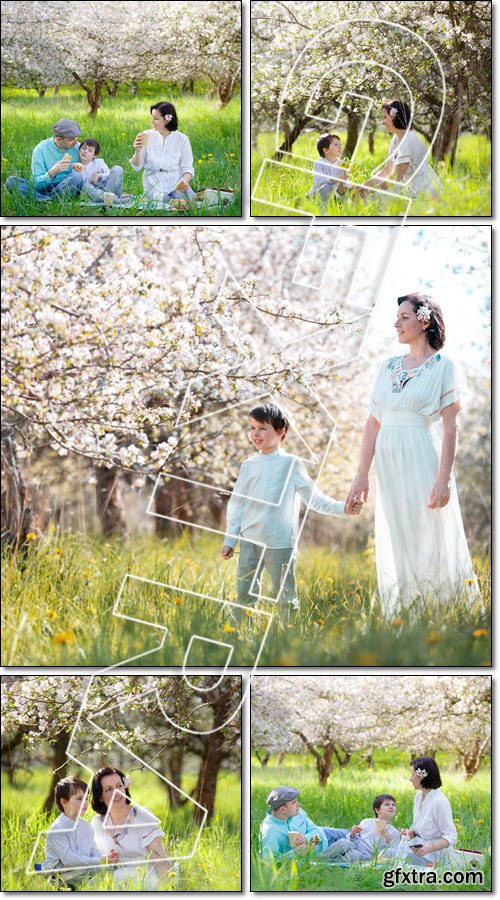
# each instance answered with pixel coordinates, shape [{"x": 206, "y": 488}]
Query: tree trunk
[
  {"x": 263, "y": 759},
  {"x": 324, "y": 764},
  {"x": 370, "y": 761},
  {"x": 112, "y": 89},
  {"x": 291, "y": 135},
  {"x": 41, "y": 91},
  {"x": 16, "y": 509},
  {"x": 175, "y": 762},
  {"x": 171, "y": 500},
  {"x": 281, "y": 757},
  {"x": 93, "y": 93},
  {"x": 371, "y": 141},
  {"x": 213, "y": 754},
  {"x": 187, "y": 86},
  {"x": 445, "y": 146},
  {"x": 226, "y": 88},
  {"x": 57, "y": 89},
  {"x": 109, "y": 503},
  {"x": 471, "y": 759},
  {"x": 134, "y": 90},
  {"x": 343, "y": 761},
  {"x": 352, "y": 134},
  {"x": 58, "y": 759}
]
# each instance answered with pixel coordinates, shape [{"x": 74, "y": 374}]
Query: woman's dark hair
[
  {"x": 435, "y": 332},
  {"x": 402, "y": 119},
  {"x": 92, "y": 143},
  {"x": 167, "y": 109},
  {"x": 66, "y": 788},
  {"x": 433, "y": 778},
  {"x": 324, "y": 142},
  {"x": 377, "y": 803},
  {"x": 270, "y": 414},
  {"x": 96, "y": 801}
]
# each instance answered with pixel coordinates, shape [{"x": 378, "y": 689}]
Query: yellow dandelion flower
[
  {"x": 58, "y": 550},
  {"x": 51, "y": 614},
  {"x": 320, "y": 621},
  {"x": 178, "y": 601},
  {"x": 65, "y": 637},
  {"x": 480, "y": 632},
  {"x": 228, "y": 628},
  {"x": 232, "y": 154},
  {"x": 171, "y": 874},
  {"x": 469, "y": 581},
  {"x": 433, "y": 637},
  {"x": 200, "y": 162},
  {"x": 249, "y": 612},
  {"x": 31, "y": 536},
  {"x": 366, "y": 658},
  {"x": 397, "y": 622}
]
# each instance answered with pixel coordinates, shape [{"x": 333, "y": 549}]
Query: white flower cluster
[
  {"x": 422, "y": 773},
  {"x": 424, "y": 314},
  {"x": 126, "y": 782},
  {"x": 393, "y": 112}
]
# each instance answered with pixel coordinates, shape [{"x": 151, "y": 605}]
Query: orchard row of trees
[
  {"x": 333, "y": 717},
  {"x": 374, "y": 49},
  {"x": 109, "y": 43},
  {"x": 40, "y": 712},
  {"x": 131, "y": 354}
]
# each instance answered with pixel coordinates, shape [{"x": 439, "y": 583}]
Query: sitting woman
[
  {"x": 132, "y": 831},
  {"x": 407, "y": 159},
  {"x": 433, "y": 830},
  {"x": 165, "y": 155}
]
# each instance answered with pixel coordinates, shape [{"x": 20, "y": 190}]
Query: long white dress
[
  {"x": 421, "y": 552},
  {"x": 131, "y": 840},
  {"x": 164, "y": 160},
  {"x": 412, "y": 150}
]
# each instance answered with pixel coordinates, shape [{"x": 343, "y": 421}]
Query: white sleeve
[
  {"x": 312, "y": 496},
  {"x": 150, "y": 829},
  {"x": 235, "y": 510},
  {"x": 144, "y": 157},
  {"x": 406, "y": 146},
  {"x": 450, "y": 390},
  {"x": 320, "y": 175},
  {"x": 444, "y": 819},
  {"x": 374, "y": 403},
  {"x": 104, "y": 169},
  {"x": 186, "y": 161}
]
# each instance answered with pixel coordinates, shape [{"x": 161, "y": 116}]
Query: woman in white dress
[
  {"x": 133, "y": 831},
  {"x": 407, "y": 159},
  {"x": 421, "y": 549},
  {"x": 165, "y": 155},
  {"x": 432, "y": 831}
]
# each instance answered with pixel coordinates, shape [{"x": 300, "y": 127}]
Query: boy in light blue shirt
[
  {"x": 70, "y": 842},
  {"x": 287, "y": 829},
  {"x": 329, "y": 177},
  {"x": 264, "y": 509}
]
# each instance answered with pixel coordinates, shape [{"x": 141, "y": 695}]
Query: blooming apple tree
[{"x": 335, "y": 716}]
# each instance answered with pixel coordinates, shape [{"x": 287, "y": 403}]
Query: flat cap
[
  {"x": 281, "y": 795},
  {"x": 66, "y": 128}
]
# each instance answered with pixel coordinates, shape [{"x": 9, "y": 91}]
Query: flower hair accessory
[
  {"x": 422, "y": 773},
  {"x": 168, "y": 117},
  {"x": 393, "y": 112},
  {"x": 424, "y": 314},
  {"x": 126, "y": 781}
]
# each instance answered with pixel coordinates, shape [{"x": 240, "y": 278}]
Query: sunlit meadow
[
  {"x": 466, "y": 188},
  {"x": 58, "y": 600},
  {"x": 346, "y": 800},
  {"x": 214, "y": 135}
]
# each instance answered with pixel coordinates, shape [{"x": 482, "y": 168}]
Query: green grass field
[
  {"x": 215, "y": 866},
  {"x": 346, "y": 799},
  {"x": 214, "y": 135},
  {"x": 466, "y": 188},
  {"x": 58, "y": 602}
]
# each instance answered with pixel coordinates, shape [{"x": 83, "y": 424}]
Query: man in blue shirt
[
  {"x": 284, "y": 818},
  {"x": 51, "y": 165}
]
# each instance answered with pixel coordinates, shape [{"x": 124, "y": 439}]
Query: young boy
[
  {"x": 70, "y": 843},
  {"x": 99, "y": 183},
  {"x": 326, "y": 172},
  {"x": 264, "y": 507},
  {"x": 284, "y": 818},
  {"x": 372, "y": 836}
]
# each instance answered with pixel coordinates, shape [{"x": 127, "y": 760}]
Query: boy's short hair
[
  {"x": 92, "y": 143},
  {"x": 66, "y": 788},
  {"x": 377, "y": 803},
  {"x": 324, "y": 142},
  {"x": 270, "y": 414}
]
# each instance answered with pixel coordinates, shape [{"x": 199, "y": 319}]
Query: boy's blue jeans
[
  {"x": 275, "y": 563},
  {"x": 335, "y": 834},
  {"x": 71, "y": 184}
]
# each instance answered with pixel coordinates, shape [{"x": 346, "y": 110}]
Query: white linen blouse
[
  {"x": 164, "y": 160},
  {"x": 131, "y": 840},
  {"x": 410, "y": 149},
  {"x": 432, "y": 820}
]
